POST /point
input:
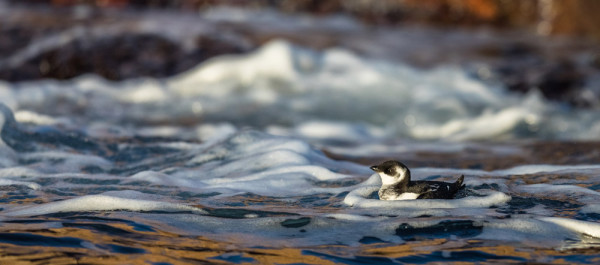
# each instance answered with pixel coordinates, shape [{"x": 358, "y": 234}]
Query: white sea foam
[
  {"x": 583, "y": 227},
  {"x": 8, "y": 157},
  {"x": 360, "y": 198},
  {"x": 557, "y": 189},
  {"x": 531, "y": 169},
  {"x": 100, "y": 203},
  {"x": 270, "y": 231},
  {"x": 406, "y": 148},
  {"x": 517, "y": 170},
  {"x": 336, "y": 131},
  {"x": 18, "y": 172},
  {"x": 32, "y": 117},
  {"x": 283, "y": 167},
  {"x": 8, "y": 182},
  {"x": 256, "y": 163},
  {"x": 591, "y": 208},
  {"x": 321, "y": 94},
  {"x": 526, "y": 231},
  {"x": 65, "y": 162}
]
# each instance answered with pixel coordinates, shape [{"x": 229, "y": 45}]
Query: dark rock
[
  {"x": 295, "y": 223},
  {"x": 560, "y": 81},
  {"x": 444, "y": 229},
  {"x": 118, "y": 58}
]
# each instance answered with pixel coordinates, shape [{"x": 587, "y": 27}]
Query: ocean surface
[{"x": 263, "y": 158}]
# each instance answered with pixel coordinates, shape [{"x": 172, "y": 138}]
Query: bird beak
[{"x": 375, "y": 168}]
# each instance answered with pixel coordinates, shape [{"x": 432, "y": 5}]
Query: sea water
[{"x": 233, "y": 162}]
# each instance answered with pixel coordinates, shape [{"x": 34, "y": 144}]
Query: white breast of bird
[{"x": 406, "y": 196}]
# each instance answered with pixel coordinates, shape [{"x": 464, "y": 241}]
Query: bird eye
[{"x": 388, "y": 171}]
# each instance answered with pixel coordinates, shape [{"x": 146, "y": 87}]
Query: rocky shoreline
[{"x": 113, "y": 43}]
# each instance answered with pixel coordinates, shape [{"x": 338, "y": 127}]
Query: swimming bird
[{"x": 396, "y": 184}]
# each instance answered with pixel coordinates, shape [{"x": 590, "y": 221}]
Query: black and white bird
[{"x": 396, "y": 184}]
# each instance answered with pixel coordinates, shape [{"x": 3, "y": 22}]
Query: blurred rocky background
[
  {"x": 573, "y": 17},
  {"x": 548, "y": 45}
]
